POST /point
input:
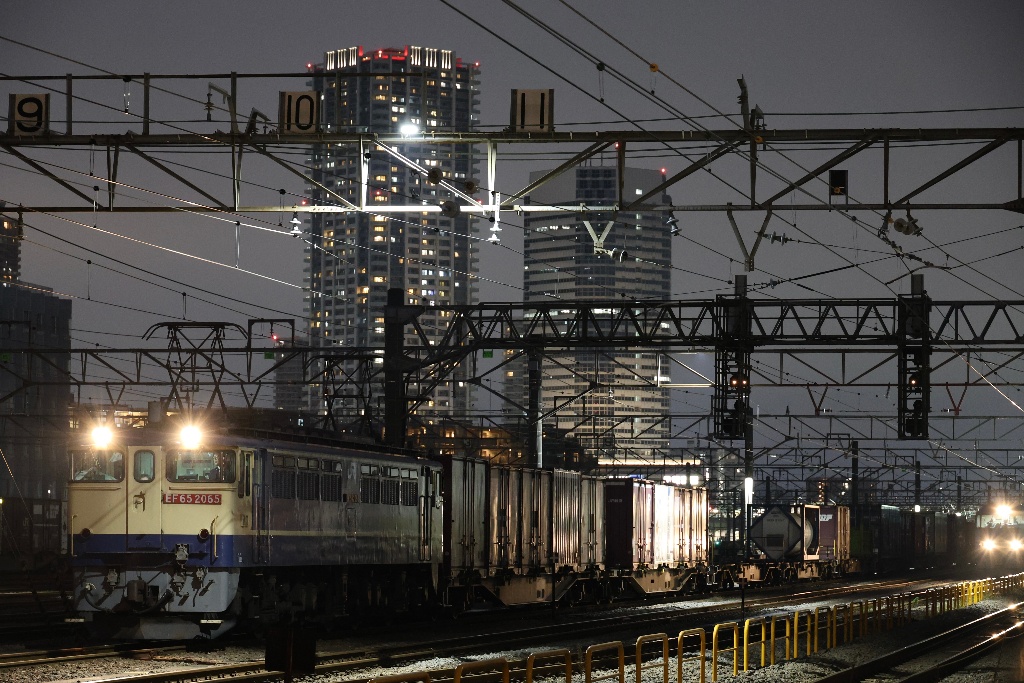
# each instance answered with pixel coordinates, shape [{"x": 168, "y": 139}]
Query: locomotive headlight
[
  {"x": 1016, "y": 544},
  {"x": 203, "y": 535},
  {"x": 190, "y": 437},
  {"x": 101, "y": 437},
  {"x": 988, "y": 544},
  {"x": 1004, "y": 511}
]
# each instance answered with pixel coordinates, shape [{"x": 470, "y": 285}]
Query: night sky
[{"x": 799, "y": 59}]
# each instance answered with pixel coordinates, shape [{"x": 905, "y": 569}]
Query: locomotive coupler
[{"x": 110, "y": 580}]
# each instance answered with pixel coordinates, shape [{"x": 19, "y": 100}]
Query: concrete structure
[{"x": 34, "y": 415}]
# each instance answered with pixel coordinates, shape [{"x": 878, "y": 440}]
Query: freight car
[
  {"x": 176, "y": 535},
  {"x": 800, "y": 542},
  {"x": 888, "y": 539}
]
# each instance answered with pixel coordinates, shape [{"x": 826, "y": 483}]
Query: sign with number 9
[{"x": 29, "y": 114}]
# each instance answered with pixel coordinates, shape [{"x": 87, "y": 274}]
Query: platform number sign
[
  {"x": 29, "y": 115},
  {"x": 299, "y": 112}
]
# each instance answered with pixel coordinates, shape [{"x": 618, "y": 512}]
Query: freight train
[
  {"x": 178, "y": 535},
  {"x": 175, "y": 534}
]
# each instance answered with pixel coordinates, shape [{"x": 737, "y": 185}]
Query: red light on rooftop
[
  {"x": 309, "y": 65},
  {"x": 664, "y": 171}
]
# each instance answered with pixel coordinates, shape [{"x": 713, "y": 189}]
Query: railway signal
[{"x": 914, "y": 369}]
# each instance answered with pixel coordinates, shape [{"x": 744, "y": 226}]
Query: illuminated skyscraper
[
  {"x": 622, "y": 411},
  {"x": 356, "y": 257}
]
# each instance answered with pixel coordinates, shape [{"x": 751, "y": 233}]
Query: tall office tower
[
  {"x": 623, "y": 419},
  {"x": 356, "y": 257}
]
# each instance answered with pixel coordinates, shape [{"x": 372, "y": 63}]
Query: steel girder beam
[
  {"x": 688, "y": 143},
  {"x": 812, "y": 326},
  {"x": 633, "y": 137},
  {"x": 857, "y": 323}
]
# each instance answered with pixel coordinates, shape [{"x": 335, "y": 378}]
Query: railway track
[
  {"x": 930, "y": 658},
  {"x": 33, "y": 603},
  {"x": 462, "y": 638}
]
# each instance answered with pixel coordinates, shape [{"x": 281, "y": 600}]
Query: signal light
[
  {"x": 734, "y": 423},
  {"x": 916, "y": 424}
]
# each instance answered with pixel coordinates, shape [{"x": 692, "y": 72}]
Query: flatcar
[{"x": 801, "y": 542}]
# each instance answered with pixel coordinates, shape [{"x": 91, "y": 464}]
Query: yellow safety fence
[{"x": 821, "y": 629}]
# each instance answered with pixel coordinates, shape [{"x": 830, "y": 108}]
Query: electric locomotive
[
  {"x": 177, "y": 535},
  {"x": 1000, "y": 530}
]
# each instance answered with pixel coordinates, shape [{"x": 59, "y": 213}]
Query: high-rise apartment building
[
  {"x": 625, "y": 417},
  {"x": 356, "y": 257}
]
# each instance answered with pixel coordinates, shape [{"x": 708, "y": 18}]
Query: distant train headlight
[
  {"x": 988, "y": 544},
  {"x": 203, "y": 535},
  {"x": 190, "y": 437},
  {"x": 101, "y": 437},
  {"x": 1016, "y": 544}
]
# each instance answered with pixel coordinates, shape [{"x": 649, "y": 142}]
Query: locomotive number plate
[{"x": 193, "y": 498}]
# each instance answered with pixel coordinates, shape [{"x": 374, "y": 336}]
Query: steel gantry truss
[
  {"x": 258, "y": 134},
  {"x": 864, "y": 336},
  {"x": 836, "y": 343}
]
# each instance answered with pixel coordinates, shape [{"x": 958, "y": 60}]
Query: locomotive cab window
[
  {"x": 201, "y": 466},
  {"x": 97, "y": 465},
  {"x": 144, "y": 466}
]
